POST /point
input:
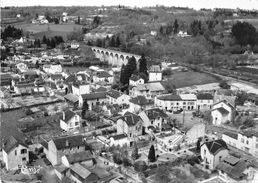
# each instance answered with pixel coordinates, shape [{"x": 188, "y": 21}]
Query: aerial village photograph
[{"x": 129, "y": 91}]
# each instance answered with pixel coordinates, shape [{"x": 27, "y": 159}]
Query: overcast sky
[{"x": 196, "y": 4}]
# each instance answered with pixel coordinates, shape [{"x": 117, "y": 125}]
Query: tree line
[{"x": 11, "y": 32}]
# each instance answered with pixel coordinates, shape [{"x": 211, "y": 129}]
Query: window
[
  {"x": 177, "y": 103},
  {"x": 76, "y": 123},
  {"x": 152, "y": 122},
  {"x": 204, "y": 152},
  {"x": 242, "y": 140},
  {"x": 220, "y": 158},
  {"x": 23, "y": 151},
  {"x": 23, "y": 159},
  {"x": 247, "y": 142},
  {"x": 15, "y": 152}
]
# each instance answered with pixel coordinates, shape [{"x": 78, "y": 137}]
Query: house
[
  {"x": 170, "y": 102},
  {"x": 194, "y": 133},
  {"x": 119, "y": 140},
  {"x": 70, "y": 80},
  {"x": 244, "y": 140},
  {"x": 153, "y": 117},
  {"x": 154, "y": 33},
  {"x": 84, "y": 157},
  {"x": 224, "y": 94},
  {"x": 189, "y": 101},
  {"x": 222, "y": 112},
  {"x": 135, "y": 80},
  {"x": 70, "y": 121},
  {"x": 80, "y": 174},
  {"x": 80, "y": 88},
  {"x": 234, "y": 169},
  {"x": 60, "y": 146},
  {"x": 15, "y": 153},
  {"x": 139, "y": 103},
  {"x": 213, "y": 152},
  {"x": 155, "y": 73},
  {"x": 93, "y": 99},
  {"x": 56, "y": 78},
  {"x": 117, "y": 97},
  {"x": 129, "y": 124},
  {"x": 52, "y": 69},
  {"x": 75, "y": 44},
  {"x": 148, "y": 90},
  {"x": 204, "y": 101},
  {"x": 103, "y": 76},
  {"x": 72, "y": 100}
]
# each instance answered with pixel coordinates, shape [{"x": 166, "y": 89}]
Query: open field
[{"x": 184, "y": 79}]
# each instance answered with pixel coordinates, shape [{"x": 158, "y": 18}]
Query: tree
[
  {"x": 135, "y": 154},
  {"x": 112, "y": 42},
  {"x": 143, "y": 64},
  {"x": 198, "y": 145},
  {"x": 224, "y": 85},
  {"x": 131, "y": 65},
  {"x": 152, "y": 156},
  {"x": 140, "y": 166},
  {"x": 44, "y": 40},
  {"x": 176, "y": 26},
  {"x": 162, "y": 175},
  {"x": 117, "y": 44},
  {"x": 85, "y": 107},
  {"x": 241, "y": 98},
  {"x": 244, "y": 33}
]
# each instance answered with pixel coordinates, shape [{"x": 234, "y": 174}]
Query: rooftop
[
  {"x": 231, "y": 134},
  {"x": 93, "y": 96},
  {"x": 114, "y": 93},
  {"x": 141, "y": 100},
  {"x": 69, "y": 142},
  {"x": 155, "y": 68},
  {"x": 11, "y": 143},
  {"x": 155, "y": 112},
  {"x": 79, "y": 157},
  {"x": 204, "y": 96},
  {"x": 119, "y": 136},
  {"x": 170, "y": 97},
  {"x": 130, "y": 118},
  {"x": 215, "y": 146}
]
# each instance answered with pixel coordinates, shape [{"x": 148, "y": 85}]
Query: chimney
[{"x": 66, "y": 143}]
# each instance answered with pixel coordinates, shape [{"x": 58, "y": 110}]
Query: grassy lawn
[{"x": 184, "y": 79}]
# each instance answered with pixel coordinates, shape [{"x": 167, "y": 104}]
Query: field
[{"x": 184, "y": 79}]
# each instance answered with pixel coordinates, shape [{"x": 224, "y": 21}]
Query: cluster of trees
[
  {"x": 114, "y": 41},
  {"x": 52, "y": 42},
  {"x": 131, "y": 68},
  {"x": 11, "y": 32},
  {"x": 169, "y": 29},
  {"x": 96, "y": 21},
  {"x": 245, "y": 33}
]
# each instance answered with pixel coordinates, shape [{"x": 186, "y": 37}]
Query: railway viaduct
[{"x": 113, "y": 57}]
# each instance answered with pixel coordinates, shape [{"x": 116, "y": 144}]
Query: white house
[
  {"x": 189, "y": 101},
  {"x": 148, "y": 90},
  {"x": 155, "y": 73},
  {"x": 245, "y": 140},
  {"x": 103, "y": 77},
  {"x": 204, "y": 101},
  {"x": 93, "y": 99},
  {"x": 222, "y": 112},
  {"x": 75, "y": 44},
  {"x": 70, "y": 121},
  {"x": 170, "y": 102},
  {"x": 135, "y": 80},
  {"x": 117, "y": 97},
  {"x": 120, "y": 139},
  {"x": 81, "y": 88},
  {"x": 153, "y": 117},
  {"x": 213, "y": 152},
  {"x": 52, "y": 69},
  {"x": 15, "y": 153}
]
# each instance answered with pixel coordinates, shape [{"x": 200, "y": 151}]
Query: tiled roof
[
  {"x": 152, "y": 87},
  {"x": 93, "y": 96},
  {"x": 141, "y": 100},
  {"x": 230, "y": 134},
  {"x": 71, "y": 97},
  {"x": 222, "y": 110},
  {"x": 155, "y": 68},
  {"x": 69, "y": 142},
  {"x": 101, "y": 89},
  {"x": 130, "y": 118},
  {"x": 70, "y": 79},
  {"x": 103, "y": 74},
  {"x": 119, "y": 136},
  {"x": 135, "y": 77},
  {"x": 204, "y": 96},
  {"x": 11, "y": 143},
  {"x": 81, "y": 171},
  {"x": 215, "y": 146},
  {"x": 114, "y": 93},
  {"x": 56, "y": 76},
  {"x": 79, "y": 157},
  {"x": 188, "y": 97},
  {"x": 155, "y": 113},
  {"x": 68, "y": 115},
  {"x": 170, "y": 97}
]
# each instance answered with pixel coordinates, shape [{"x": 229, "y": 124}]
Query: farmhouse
[{"x": 70, "y": 121}]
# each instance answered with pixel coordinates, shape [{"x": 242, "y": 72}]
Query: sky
[{"x": 196, "y": 4}]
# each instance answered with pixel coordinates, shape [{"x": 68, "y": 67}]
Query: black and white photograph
[{"x": 129, "y": 91}]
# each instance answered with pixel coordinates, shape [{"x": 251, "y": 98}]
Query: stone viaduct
[{"x": 113, "y": 57}]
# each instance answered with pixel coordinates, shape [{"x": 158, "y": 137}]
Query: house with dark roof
[
  {"x": 140, "y": 103},
  {"x": 204, "y": 101},
  {"x": 149, "y": 90},
  {"x": 103, "y": 76},
  {"x": 15, "y": 153},
  {"x": 56, "y": 78},
  {"x": 234, "y": 169},
  {"x": 93, "y": 99},
  {"x": 222, "y": 112},
  {"x": 70, "y": 121},
  {"x": 129, "y": 124},
  {"x": 60, "y": 146},
  {"x": 154, "y": 117},
  {"x": 225, "y": 95},
  {"x": 81, "y": 174},
  {"x": 84, "y": 157},
  {"x": 117, "y": 97},
  {"x": 135, "y": 80},
  {"x": 213, "y": 152}
]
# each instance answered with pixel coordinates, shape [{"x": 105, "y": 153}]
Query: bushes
[{"x": 140, "y": 166}]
